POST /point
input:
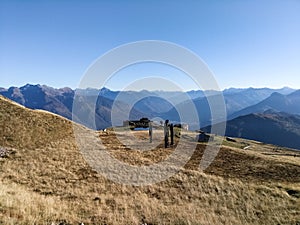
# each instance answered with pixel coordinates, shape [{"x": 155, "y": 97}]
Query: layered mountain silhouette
[
  {"x": 277, "y": 102},
  {"x": 273, "y": 127},
  {"x": 60, "y": 101},
  {"x": 155, "y": 102},
  {"x": 236, "y": 100},
  {"x": 44, "y": 176},
  {"x": 268, "y": 115}
]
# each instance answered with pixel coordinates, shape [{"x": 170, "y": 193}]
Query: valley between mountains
[
  {"x": 45, "y": 179},
  {"x": 250, "y": 113}
]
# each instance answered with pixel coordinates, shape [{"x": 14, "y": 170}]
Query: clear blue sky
[{"x": 245, "y": 43}]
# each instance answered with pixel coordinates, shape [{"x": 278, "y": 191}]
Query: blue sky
[{"x": 245, "y": 43}]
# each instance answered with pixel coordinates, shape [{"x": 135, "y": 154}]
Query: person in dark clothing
[
  {"x": 166, "y": 133},
  {"x": 172, "y": 133},
  {"x": 150, "y": 132}
]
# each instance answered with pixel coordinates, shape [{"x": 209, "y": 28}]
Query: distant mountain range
[
  {"x": 273, "y": 127},
  {"x": 277, "y": 102},
  {"x": 59, "y": 101},
  {"x": 236, "y": 100},
  {"x": 249, "y": 105}
]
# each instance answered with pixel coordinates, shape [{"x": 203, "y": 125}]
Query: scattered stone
[
  {"x": 97, "y": 199},
  {"x": 294, "y": 193},
  {"x": 4, "y": 152},
  {"x": 230, "y": 139},
  {"x": 63, "y": 222},
  {"x": 203, "y": 137}
]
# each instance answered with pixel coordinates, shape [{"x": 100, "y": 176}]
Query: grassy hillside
[{"x": 44, "y": 179}]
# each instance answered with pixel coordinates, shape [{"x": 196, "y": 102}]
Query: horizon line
[{"x": 151, "y": 90}]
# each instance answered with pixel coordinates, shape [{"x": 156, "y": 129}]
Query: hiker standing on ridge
[
  {"x": 172, "y": 133},
  {"x": 150, "y": 132},
  {"x": 166, "y": 133}
]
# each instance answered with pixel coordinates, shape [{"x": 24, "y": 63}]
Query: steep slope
[
  {"x": 153, "y": 105},
  {"x": 237, "y": 102},
  {"x": 277, "y": 102},
  {"x": 146, "y": 103},
  {"x": 24, "y": 128},
  {"x": 269, "y": 127},
  {"x": 100, "y": 116},
  {"x": 238, "y": 99},
  {"x": 203, "y": 111},
  {"x": 45, "y": 179},
  {"x": 58, "y": 101}
]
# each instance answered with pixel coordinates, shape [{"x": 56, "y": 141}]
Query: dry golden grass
[
  {"x": 45, "y": 180},
  {"x": 22, "y": 206}
]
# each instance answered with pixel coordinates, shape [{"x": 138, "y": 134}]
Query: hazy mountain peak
[
  {"x": 276, "y": 94},
  {"x": 27, "y": 86},
  {"x": 104, "y": 89},
  {"x": 270, "y": 111},
  {"x": 295, "y": 93},
  {"x": 232, "y": 90}
]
